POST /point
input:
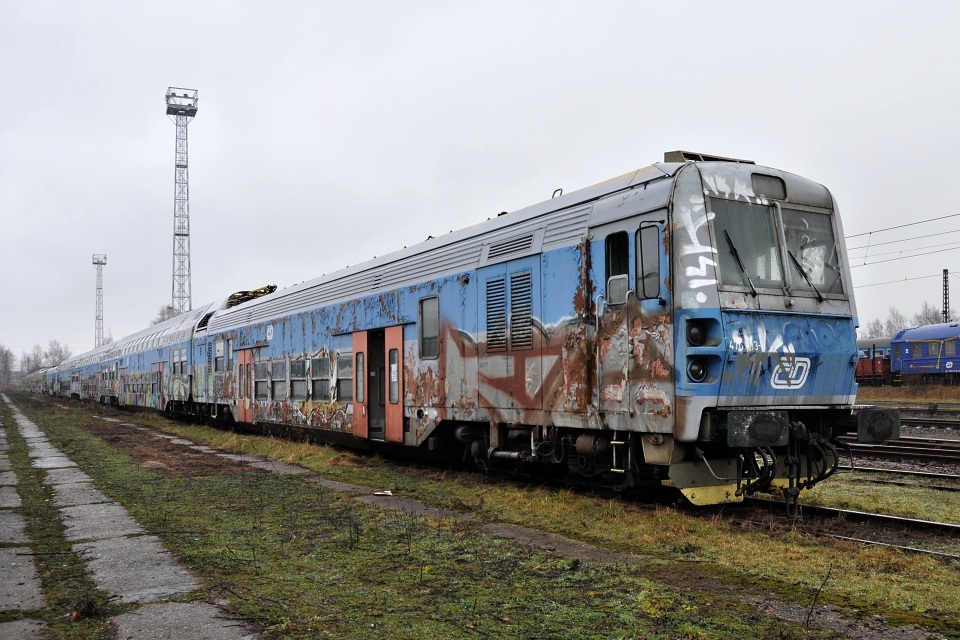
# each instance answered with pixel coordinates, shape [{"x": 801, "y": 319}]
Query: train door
[
  {"x": 377, "y": 402},
  {"x": 393, "y": 381},
  {"x": 378, "y": 376},
  {"x": 634, "y": 348},
  {"x": 245, "y": 385},
  {"x": 360, "y": 418},
  {"x": 160, "y": 392}
]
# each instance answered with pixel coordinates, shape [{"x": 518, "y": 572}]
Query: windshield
[
  {"x": 749, "y": 253},
  {"x": 746, "y": 235},
  {"x": 810, "y": 239}
]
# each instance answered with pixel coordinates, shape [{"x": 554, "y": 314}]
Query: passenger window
[
  {"x": 320, "y": 379},
  {"x": 344, "y": 385},
  {"x": 648, "y": 261},
  {"x": 279, "y": 380},
  {"x": 394, "y": 376},
  {"x": 298, "y": 382},
  {"x": 262, "y": 384},
  {"x": 219, "y": 361},
  {"x": 429, "y": 328}
]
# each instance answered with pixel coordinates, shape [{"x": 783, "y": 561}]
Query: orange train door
[
  {"x": 161, "y": 390},
  {"x": 378, "y": 384},
  {"x": 393, "y": 380},
  {"x": 245, "y": 385},
  {"x": 360, "y": 420}
]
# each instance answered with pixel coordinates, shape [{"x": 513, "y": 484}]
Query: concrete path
[{"x": 121, "y": 558}]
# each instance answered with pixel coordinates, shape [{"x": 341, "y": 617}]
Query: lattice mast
[
  {"x": 181, "y": 108},
  {"x": 99, "y": 260},
  {"x": 946, "y": 296}
]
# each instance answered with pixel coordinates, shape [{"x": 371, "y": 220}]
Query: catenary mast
[
  {"x": 181, "y": 108},
  {"x": 99, "y": 260}
]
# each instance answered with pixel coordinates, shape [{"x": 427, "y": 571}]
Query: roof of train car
[
  {"x": 941, "y": 331},
  {"x": 171, "y": 330},
  {"x": 527, "y": 221},
  {"x": 472, "y": 247}
]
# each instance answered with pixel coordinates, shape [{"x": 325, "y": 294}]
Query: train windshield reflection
[
  {"x": 749, "y": 252},
  {"x": 810, "y": 238},
  {"x": 746, "y": 234}
]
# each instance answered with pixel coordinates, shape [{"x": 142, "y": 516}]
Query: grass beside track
[{"x": 306, "y": 562}]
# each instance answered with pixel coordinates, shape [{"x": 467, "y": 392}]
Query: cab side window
[
  {"x": 648, "y": 261},
  {"x": 617, "y": 254}
]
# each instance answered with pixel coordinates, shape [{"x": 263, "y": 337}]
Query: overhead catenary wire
[
  {"x": 880, "y": 244},
  {"x": 933, "y": 275},
  {"x": 901, "y": 226},
  {"x": 900, "y": 256}
]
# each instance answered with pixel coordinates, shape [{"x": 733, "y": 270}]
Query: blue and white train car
[{"x": 689, "y": 323}]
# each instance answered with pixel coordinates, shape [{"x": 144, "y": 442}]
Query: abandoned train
[{"x": 690, "y": 323}]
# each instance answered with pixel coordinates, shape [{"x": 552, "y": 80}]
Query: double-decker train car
[
  {"x": 690, "y": 323},
  {"x": 873, "y": 367},
  {"x": 927, "y": 353}
]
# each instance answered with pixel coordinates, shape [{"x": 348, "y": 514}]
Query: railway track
[
  {"x": 920, "y": 475},
  {"x": 875, "y": 529},
  {"x": 914, "y": 448}
]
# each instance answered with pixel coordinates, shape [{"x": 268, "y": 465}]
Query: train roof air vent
[
  {"x": 693, "y": 156},
  {"x": 512, "y": 247}
]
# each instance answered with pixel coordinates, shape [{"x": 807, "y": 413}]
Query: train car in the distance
[
  {"x": 873, "y": 366},
  {"x": 927, "y": 354}
]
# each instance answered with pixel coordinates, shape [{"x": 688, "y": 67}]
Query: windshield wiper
[
  {"x": 736, "y": 255},
  {"x": 806, "y": 277}
]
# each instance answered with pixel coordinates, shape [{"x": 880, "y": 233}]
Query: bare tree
[
  {"x": 874, "y": 329},
  {"x": 928, "y": 314},
  {"x": 31, "y": 361},
  {"x": 896, "y": 321},
  {"x": 55, "y": 354},
  {"x": 6, "y": 366},
  {"x": 166, "y": 312}
]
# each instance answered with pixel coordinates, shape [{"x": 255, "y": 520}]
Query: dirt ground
[{"x": 164, "y": 457}]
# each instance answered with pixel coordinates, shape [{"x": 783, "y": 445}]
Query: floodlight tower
[
  {"x": 181, "y": 108},
  {"x": 99, "y": 260}
]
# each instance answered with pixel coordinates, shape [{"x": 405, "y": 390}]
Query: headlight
[
  {"x": 697, "y": 370},
  {"x": 696, "y": 333}
]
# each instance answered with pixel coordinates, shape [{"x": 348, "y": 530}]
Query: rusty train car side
[{"x": 690, "y": 323}]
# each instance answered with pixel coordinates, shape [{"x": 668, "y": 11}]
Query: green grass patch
[{"x": 305, "y": 561}]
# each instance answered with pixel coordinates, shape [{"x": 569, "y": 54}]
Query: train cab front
[{"x": 766, "y": 343}]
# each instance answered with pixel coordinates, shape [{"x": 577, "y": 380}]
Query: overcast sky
[{"x": 331, "y": 132}]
